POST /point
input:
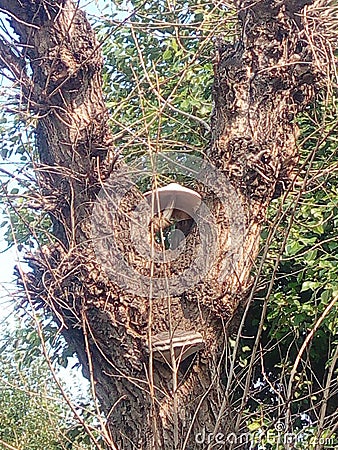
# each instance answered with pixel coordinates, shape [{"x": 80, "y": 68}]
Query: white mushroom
[
  {"x": 176, "y": 197},
  {"x": 173, "y": 204}
]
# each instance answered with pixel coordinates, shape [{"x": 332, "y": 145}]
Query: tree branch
[{"x": 16, "y": 65}]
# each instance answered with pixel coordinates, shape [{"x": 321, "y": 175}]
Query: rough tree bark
[{"x": 261, "y": 83}]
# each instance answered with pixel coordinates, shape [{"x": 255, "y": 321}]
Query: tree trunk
[{"x": 261, "y": 82}]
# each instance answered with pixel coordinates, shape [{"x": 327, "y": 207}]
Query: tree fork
[{"x": 261, "y": 83}]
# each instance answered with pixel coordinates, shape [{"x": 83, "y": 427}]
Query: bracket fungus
[
  {"x": 183, "y": 343},
  {"x": 174, "y": 196},
  {"x": 173, "y": 208}
]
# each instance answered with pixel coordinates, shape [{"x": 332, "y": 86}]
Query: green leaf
[
  {"x": 254, "y": 426},
  {"x": 310, "y": 285}
]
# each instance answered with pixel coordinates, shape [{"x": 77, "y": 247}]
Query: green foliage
[
  {"x": 34, "y": 414},
  {"x": 23, "y": 225},
  {"x": 32, "y": 411},
  {"x": 158, "y": 75},
  {"x": 306, "y": 280},
  {"x": 305, "y": 289},
  {"x": 15, "y": 140}
]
